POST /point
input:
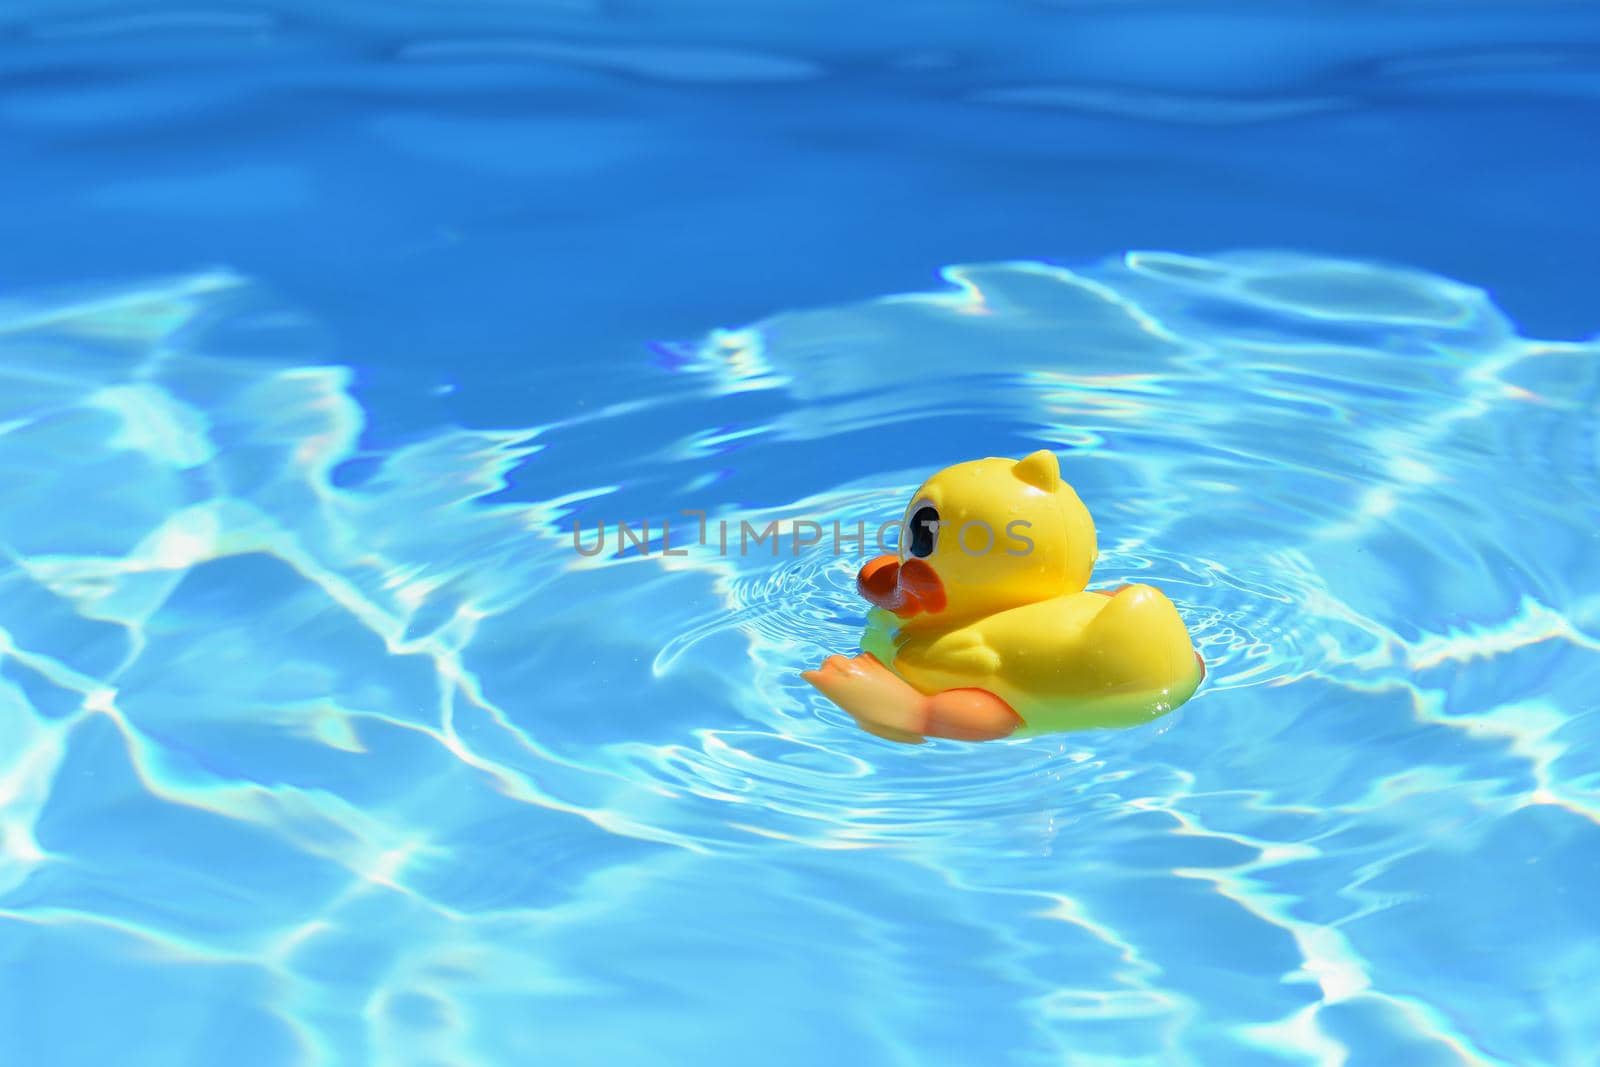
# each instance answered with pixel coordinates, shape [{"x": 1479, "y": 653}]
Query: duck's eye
[{"x": 924, "y": 532}]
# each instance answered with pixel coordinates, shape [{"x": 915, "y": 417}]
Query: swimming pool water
[{"x": 321, "y": 744}]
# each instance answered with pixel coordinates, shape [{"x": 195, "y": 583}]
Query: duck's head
[{"x": 982, "y": 537}]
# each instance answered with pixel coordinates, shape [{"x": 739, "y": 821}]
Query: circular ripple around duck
[{"x": 802, "y": 768}]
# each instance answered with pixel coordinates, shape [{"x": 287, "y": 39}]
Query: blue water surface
[{"x": 321, "y": 326}]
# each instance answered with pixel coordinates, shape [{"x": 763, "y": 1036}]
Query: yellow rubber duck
[{"x": 981, "y": 627}]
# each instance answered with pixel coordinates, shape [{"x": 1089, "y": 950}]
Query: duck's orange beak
[{"x": 906, "y": 591}]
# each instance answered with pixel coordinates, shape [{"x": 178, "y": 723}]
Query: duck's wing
[{"x": 962, "y": 653}]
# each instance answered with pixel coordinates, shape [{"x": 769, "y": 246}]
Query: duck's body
[
  {"x": 1069, "y": 663},
  {"x": 972, "y": 643}
]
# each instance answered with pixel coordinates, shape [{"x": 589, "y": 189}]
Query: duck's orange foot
[
  {"x": 877, "y": 698},
  {"x": 884, "y": 704}
]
